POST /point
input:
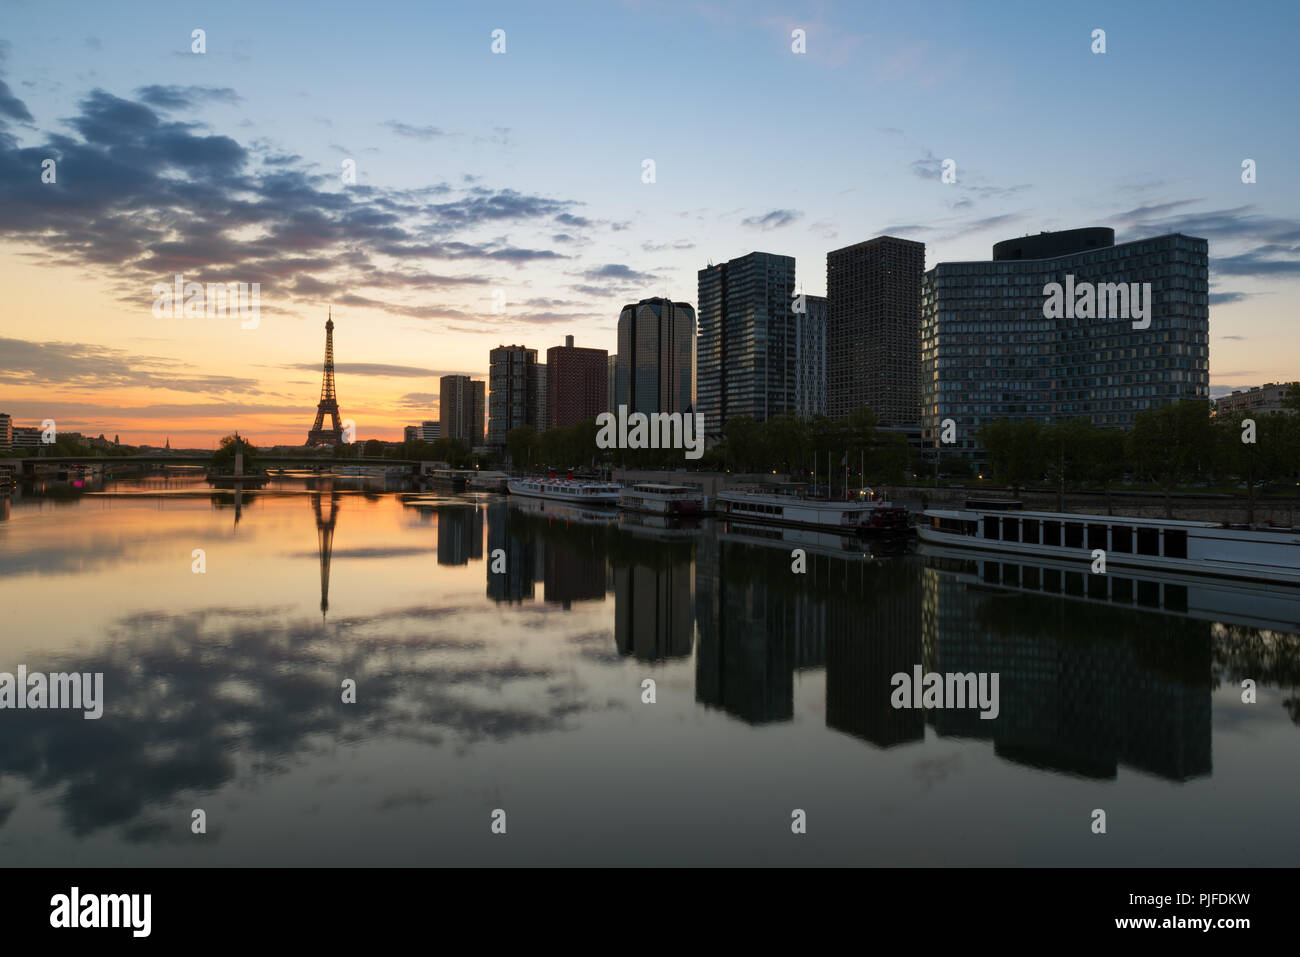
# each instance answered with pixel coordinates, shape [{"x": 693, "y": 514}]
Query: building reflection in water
[
  {"x": 563, "y": 547},
  {"x": 516, "y": 580},
  {"x": 653, "y": 608},
  {"x": 1090, "y": 678},
  {"x": 460, "y": 534}
]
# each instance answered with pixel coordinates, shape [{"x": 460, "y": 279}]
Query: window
[
  {"x": 1011, "y": 529},
  {"x": 1074, "y": 535},
  {"x": 1149, "y": 594},
  {"x": 1097, "y": 536},
  {"x": 1051, "y": 533},
  {"x": 1121, "y": 590},
  {"x": 1121, "y": 539},
  {"x": 991, "y": 527},
  {"x": 1029, "y": 531},
  {"x": 1175, "y": 543},
  {"x": 1148, "y": 541}
]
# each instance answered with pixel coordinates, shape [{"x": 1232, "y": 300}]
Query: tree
[
  {"x": 1256, "y": 450},
  {"x": 1170, "y": 445},
  {"x": 224, "y": 456},
  {"x": 1291, "y": 398},
  {"x": 744, "y": 443},
  {"x": 1017, "y": 451},
  {"x": 521, "y": 445}
]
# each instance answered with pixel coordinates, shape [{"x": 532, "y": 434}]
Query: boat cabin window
[
  {"x": 1175, "y": 543},
  {"x": 1011, "y": 529},
  {"x": 1029, "y": 531},
  {"x": 1051, "y": 533},
  {"x": 1148, "y": 541},
  {"x": 1097, "y": 536},
  {"x": 990, "y": 526},
  {"x": 1074, "y": 535},
  {"x": 1121, "y": 539}
]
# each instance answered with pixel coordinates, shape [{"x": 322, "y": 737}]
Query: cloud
[
  {"x": 677, "y": 244},
  {"x": 773, "y": 220},
  {"x": 40, "y": 365},
  {"x": 152, "y": 197},
  {"x": 1273, "y": 241},
  {"x": 186, "y": 97},
  {"x": 370, "y": 369},
  {"x": 414, "y": 132},
  {"x": 617, "y": 273},
  {"x": 1223, "y": 298}
]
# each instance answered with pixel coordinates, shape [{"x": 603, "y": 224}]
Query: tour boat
[
  {"x": 788, "y": 504},
  {"x": 566, "y": 490},
  {"x": 659, "y": 499},
  {"x": 451, "y": 480},
  {"x": 1203, "y": 548}
]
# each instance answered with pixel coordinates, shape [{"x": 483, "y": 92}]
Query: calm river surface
[{"x": 522, "y": 690}]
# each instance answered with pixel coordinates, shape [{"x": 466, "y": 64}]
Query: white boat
[
  {"x": 576, "y": 491},
  {"x": 790, "y": 505},
  {"x": 1199, "y": 548},
  {"x": 660, "y": 499}
]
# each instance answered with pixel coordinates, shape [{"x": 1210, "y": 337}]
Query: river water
[{"x": 501, "y": 653}]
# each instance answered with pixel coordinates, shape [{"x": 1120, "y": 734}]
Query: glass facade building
[
  {"x": 810, "y": 358},
  {"x": 655, "y": 367},
  {"x": 747, "y": 349},
  {"x": 988, "y": 352}
]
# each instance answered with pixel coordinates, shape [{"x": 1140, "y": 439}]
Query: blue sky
[{"x": 521, "y": 173}]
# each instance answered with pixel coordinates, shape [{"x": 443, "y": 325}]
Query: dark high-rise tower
[
  {"x": 329, "y": 403},
  {"x": 873, "y": 329},
  {"x": 655, "y": 367},
  {"x": 747, "y": 350}
]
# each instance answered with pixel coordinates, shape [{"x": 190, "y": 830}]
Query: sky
[{"x": 501, "y": 197}]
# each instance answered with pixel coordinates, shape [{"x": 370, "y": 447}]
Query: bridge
[{"x": 27, "y": 465}]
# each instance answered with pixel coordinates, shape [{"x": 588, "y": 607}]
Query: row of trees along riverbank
[{"x": 1178, "y": 445}]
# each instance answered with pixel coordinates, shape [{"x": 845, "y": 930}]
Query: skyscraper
[
  {"x": 989, "y": 352},
  {"x": 6, "y": 431},
  {"x": 655, "y": 367},
  {"x": 575, "y": 387},
  {"x": 543, "y": 409},
  {"x": 810, "y": 358},
  {"x": 512, "y": 399},
  {"x": 873, "y": 342},
  {"x": 747, "y": 350},
  {"x": 460, "y": 409}
]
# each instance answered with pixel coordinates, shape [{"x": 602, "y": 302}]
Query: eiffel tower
[{"x": 329, "y": 403}]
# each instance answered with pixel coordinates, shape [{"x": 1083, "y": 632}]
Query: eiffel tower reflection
[{"x": 325, "y": 538}]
